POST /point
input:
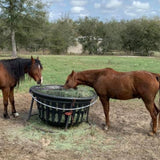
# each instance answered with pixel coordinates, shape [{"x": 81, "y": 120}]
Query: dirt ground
[{"x": 127, "y": 138}]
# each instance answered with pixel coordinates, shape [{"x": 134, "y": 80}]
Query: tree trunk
[{"x": 14, "y": 51}]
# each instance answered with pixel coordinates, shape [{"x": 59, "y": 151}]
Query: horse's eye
[{"x": 67, "y": 81}]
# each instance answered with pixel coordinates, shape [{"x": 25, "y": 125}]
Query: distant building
[{"x": 76, "y": 49}]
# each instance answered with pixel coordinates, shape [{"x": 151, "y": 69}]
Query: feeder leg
[
  {"x": 87, "y": 115},
  {"x": 67, "y": 123},
  {"x": 30, "y": 111}
]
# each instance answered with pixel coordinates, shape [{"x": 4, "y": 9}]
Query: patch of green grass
[{"x": 58, "y": 67}]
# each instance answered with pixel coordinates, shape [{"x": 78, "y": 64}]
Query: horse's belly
[{"x": 123, "y": 95}]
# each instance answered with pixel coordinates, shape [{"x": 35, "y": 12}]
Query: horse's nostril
[{"x": 39, "y": 82}]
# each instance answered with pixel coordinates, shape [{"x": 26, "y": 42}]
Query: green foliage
[
  {"x": 4, "y": 32},
  {"x": 88, "y": 31},
  {"x": 131, "y": 36},
  {"x": 142, "y": 36},
  {"x": 31, "y": 32},
  {"x": 139, "y": 36},
  {"x": 23, "y": 19},
  {"x": 111, "y": 36},
  {"x": 62, "y": 36},
  {"x": 25, "y": 22}
]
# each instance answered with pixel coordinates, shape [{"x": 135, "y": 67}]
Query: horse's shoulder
[{"x": 109, "y": 70}]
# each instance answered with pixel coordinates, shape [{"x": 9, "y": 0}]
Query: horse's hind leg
[
  {"x": 105, "y": 103},
  {"x": 158, "y": 117},
  {"x": 5, "y": 93},
  {"x": 11, "y": 98},
  {"x": 156, "y": 110},
  {"x": 159, "y": 122},
  {"x": 153, "y": 112}
]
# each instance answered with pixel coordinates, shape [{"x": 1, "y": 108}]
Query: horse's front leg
[
  {"x": 105, "y": 103},
  {"x": 11, "y": 98},
  {"x": 5, "y": 93}
]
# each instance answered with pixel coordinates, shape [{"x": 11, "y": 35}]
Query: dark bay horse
[
  {"x": 109, "y": 83},
  {"x": 13, "y": 71}
]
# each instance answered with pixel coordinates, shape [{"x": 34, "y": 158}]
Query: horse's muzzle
[
  {"x": 40, "y": 81},
  {"x": 65, "y": 87}
]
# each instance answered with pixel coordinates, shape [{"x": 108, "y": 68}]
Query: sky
[{"x": 103, "y": 9}]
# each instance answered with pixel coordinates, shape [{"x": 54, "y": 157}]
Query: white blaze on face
[
  {"x": 41, "y": 80},
  {"x": 39, "y": 67}
]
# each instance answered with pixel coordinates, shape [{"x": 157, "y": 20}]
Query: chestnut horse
[
  {"x": 13, "y": 71},
  {"x": 109, "y": 83}
]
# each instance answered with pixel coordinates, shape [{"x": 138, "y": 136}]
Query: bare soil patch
[{"x": 126, "y": 139}]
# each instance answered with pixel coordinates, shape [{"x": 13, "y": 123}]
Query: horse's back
[
  {"x": 127, "y": 85},
  {"x": 117, "y": 85}
]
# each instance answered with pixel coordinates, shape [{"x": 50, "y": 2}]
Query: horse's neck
[
  {"x": 26, "y": 65},
  {"x": 87, "y": 77}
]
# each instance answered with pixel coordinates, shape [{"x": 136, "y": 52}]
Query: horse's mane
[{"x": 16, "y": 67}]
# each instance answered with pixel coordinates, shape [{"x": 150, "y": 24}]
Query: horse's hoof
[
  {"x": 151, "y": 134},
  {"x": 6, "y": 116},
  {"x": 106, "y": 128},
  {"x": 15, "y": 114}
]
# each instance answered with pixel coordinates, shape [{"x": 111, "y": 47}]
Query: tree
[
  {"x": 4, "y": 43},
  {"x": 141, "y": 36},
  {"x": 150, "y": 35},
  {"x": 32, "y": 34},
  {"x": 132, "y": 36},
  {"x": 15, "y": 12},
  {"x": 88, "y": 34},
  {"x": 63, "y": 35},
  {"x": 111, "y": 39}
]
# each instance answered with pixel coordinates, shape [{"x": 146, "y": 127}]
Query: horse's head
[
  {"x": 71, "y": 81},
  {"x": 35, "y": 70}
]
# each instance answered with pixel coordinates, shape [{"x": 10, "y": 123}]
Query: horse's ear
[
  {"x": 33, "y": 60},
  {"x": 72, "y": 72},
  {"x": 37, "y": 58}
]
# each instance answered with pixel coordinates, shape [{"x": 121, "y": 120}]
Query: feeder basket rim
[{"x": 35, "y": 93}]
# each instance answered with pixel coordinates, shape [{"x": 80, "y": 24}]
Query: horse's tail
[
  {"x": 158, "y": 109},
  {"x": 157, "y": 76},
  {"x": 158, "y": 116},
  {"x": 158, "y": 79}
]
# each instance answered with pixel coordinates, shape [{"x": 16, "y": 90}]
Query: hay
[{"x": 81, "y": 92}]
